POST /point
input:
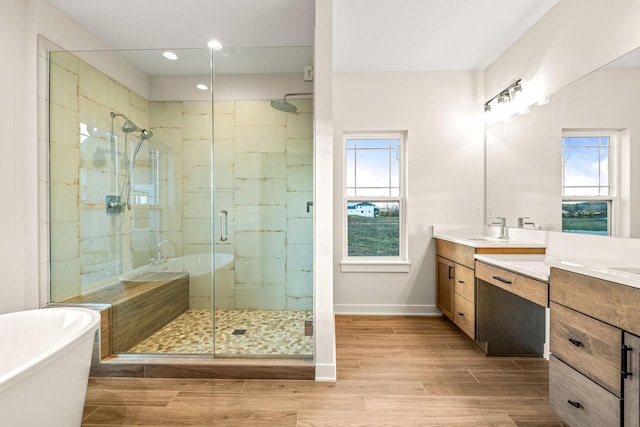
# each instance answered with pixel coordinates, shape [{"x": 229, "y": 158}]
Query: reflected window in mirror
[{"x": 588, "y": 181}]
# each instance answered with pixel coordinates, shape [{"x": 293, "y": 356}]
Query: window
[
  {"x": 588, "y": 181},
  {"x": 374, "y": 197}
]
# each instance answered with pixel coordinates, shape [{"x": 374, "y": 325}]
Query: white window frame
[
  {"x": 613, "y": 178},
  {"x": 398, "y": 263}
]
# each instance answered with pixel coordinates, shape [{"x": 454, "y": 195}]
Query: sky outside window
[{"x": 585, "y": 166}]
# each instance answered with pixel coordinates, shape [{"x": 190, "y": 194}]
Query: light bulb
[
  {"x": 170, "y": 55},
  {"x": 214, "y": 44}
]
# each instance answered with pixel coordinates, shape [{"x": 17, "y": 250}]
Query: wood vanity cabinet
[
  {"x": 594, "y": 369},
  {"x": 455, "y": 281},
  {"x": 510, "y": 312},
  {"x": 455, "y": 295}
]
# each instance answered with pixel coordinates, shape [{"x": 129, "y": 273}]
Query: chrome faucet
[
  {"x": 503, "y": 226},
  {"x": 522, "y": 222},
  {"x": 161, "y": 258}
]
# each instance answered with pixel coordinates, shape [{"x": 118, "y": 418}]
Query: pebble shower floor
[{"x": 268, "y": 333}]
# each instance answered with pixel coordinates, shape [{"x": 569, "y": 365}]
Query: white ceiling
[
  {"x": 369, "y": 35},
  {"x": 412, "y": 35}
]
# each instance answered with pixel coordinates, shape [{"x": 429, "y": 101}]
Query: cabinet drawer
[
  {"x": 610, "y": 302},
  {"x": 578, "y": 400},
  {"x": 464, "y": 315},
  {"x": 458, "y": 253},
  {"x": 590, "y": 346},
  {"x": 530, "y": 289},
  {"x": 464, "y": 282}
]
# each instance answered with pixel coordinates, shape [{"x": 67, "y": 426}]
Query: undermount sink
[
  {"x": 633, "y": 270},
  {"x": 487, "y": 239}
]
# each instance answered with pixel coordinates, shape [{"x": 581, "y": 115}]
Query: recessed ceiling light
[
  {"x": 214, "y": 44},
  {"x": 170, "y": 55},
  {"x": 202, "y": 86}
]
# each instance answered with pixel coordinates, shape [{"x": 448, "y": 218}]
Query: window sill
[{"x": 375, "y": 266}]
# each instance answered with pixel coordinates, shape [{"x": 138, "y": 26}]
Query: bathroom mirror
[{"x": 524, "y": 154}]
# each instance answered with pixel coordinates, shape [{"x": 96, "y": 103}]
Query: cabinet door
[
  {"x": 578, "y": 400},
  {"x": 444, "y": 286},
  {"x": 632, "y": 380}
]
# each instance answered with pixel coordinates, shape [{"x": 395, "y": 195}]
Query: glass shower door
[
  {"x": 131, "y": 183},
  {"x": 263, "y": 162}
]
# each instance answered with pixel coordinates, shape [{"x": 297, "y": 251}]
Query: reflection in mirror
[{"x": 590, "y": 184}]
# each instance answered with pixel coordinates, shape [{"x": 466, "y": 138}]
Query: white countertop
[
  {"x": 485, "y": 237},
  {"x": 608, "y": 258},
  {"x": 532, "y": 265},
  {"x": 605, "y": 269},
  {"x": 538, "y": 267}
]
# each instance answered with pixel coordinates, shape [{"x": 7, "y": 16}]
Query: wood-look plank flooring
[{"x": 392, "y": 371}]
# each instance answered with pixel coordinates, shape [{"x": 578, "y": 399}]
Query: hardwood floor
[{"x": 392, "y": 371}]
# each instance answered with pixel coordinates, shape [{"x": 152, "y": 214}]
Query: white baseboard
[
  {"x": 546, "y": 351},
  {"x": 326, "y": 373},
  {"x": 387, "y": 309}
]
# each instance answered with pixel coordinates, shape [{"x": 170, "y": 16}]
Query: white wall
[
  {"x": 58, "y": 28},
  {"x": 442, "y": 114},
  {"x": 325, "y": 344},
  {"x": 229, "y": 87},
  {"x": 574, "y": 38},
  {"x": 18, "y": 162}
]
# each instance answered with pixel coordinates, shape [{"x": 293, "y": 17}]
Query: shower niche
[{"x": 182, "y": 210}]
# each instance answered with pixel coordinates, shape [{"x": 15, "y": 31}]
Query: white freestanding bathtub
[{"x": 45, "y": 356}]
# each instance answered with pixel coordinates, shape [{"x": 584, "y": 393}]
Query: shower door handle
[{"x": 224, "y": 225}]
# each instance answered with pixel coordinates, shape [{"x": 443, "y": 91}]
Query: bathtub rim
[{"x": 55, "y": 351}]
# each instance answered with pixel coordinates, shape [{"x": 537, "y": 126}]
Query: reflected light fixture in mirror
[
  {"x": 506, "y": 103},
  {"x": 214, "y": 44},
  {"x": 170, "y": 55}
]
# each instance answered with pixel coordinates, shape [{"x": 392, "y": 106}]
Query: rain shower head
[
  {"x": 283, "y": 105},
  {"x": 287, "y": 107},
  {"x": 128, "y": 125}
]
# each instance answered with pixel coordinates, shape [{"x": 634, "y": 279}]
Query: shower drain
[{"x": 238, "y": 332}]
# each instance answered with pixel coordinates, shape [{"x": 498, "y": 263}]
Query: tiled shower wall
[
  {"x": 263, "y": 179},
  {"x": 84, "y": 243}
]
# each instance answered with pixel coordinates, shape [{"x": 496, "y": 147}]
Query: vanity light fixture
[
  {"x": 202, "y": 86},
  {"x": 170, "y": 55},
  {"x": 505, "y": 96}
]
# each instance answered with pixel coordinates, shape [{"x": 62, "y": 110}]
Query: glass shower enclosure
[{"x": 187, "y": 216}]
